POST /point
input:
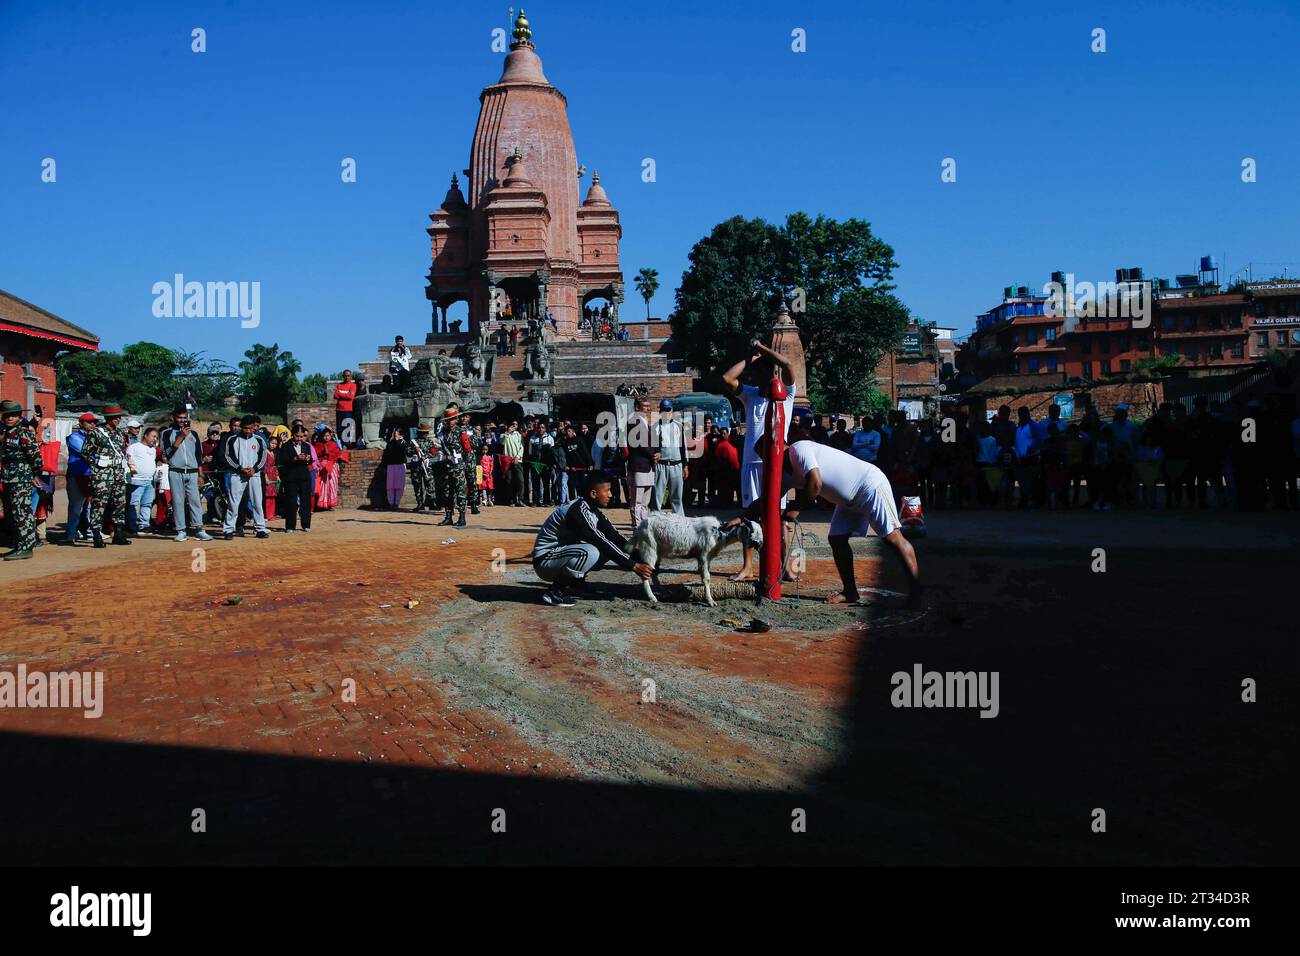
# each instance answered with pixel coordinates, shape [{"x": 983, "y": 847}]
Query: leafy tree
[
  {"x": 269, "y": 379},
  {"x": 314, "y": 388},
  {"x": 139, "y": 378},
  {"x": 647, "y": 284},
  {"x": 728, "y": 293},
  {"x": 838, "y": 278},
  {"x": 209, "y": 380}
]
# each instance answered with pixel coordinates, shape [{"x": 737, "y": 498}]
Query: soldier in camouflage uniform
[
  {"x": 471, "y": 462},
  {"x": 455, "y": 449},
  {"x": 106, "y": 456},
  {"x": 20, "y": 467},
  {"x": 420, "y": 456}
]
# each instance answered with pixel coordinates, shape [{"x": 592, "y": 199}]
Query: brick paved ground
[{"x": 1120, "y": 690}]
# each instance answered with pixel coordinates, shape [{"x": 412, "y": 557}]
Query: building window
[
  {"x": 1031, "y": 336},
  {"x": 1213, "y": 320},
  {"x": 1015, "y": 366},
  {"x": 1261, "y": 338},
  {"x": 1087, "y": 370},
  {"x": 1281, "y": 337},
  {"x": 1105, "y": 367},
  {"x": 1051, "y": 333},
  {"x": 1189, "y": 323},
  {"x": 1125, "y": 365},
  {"x": 1103, "y": 343},
  {"x": 1123, "y": 343},
  {"x": 1295, "y": 336},
  {"x": 1033, "y": 365},
  {"x": 1167, "y": 323},
  {"x": 1051, "y": 363},
  {"x": 1238, "y": 349},
  {"x": 1215, "y": 350},
  {"x": 1191, "y": 353}
]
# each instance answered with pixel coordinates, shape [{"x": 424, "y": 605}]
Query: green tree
[
  {"x": 314, "y": 388},
  {"x": 140, "y": 378},
  {"x": 837, "y": 276},
  {"x": 647, "y": 284},
  {"x": 728, "y": 293},
  {"x": 269, "y": 379},
  {"x": 209, "y": 380}
]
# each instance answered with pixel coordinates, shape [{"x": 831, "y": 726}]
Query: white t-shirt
[
  {"x": 142, "y": 459},
  {"x": 843, "y": 476},
  {"x": 755, "y": 403}
]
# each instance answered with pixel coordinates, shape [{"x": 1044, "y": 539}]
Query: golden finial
[
  {"x": 522, "y": 32},
  {"x": 454, "y": 181},
  {"x": 595, "y": 178},
  {"x": 519, "y": 154}
]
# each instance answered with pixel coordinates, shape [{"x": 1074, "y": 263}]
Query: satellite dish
[{"x": 943, "y": 387}]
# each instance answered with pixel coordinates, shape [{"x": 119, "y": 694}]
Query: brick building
[
  {"x": 912, "y": 376},
  {"x": 30, "y": 338}
]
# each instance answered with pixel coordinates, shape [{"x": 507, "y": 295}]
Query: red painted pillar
[{"x": 769, "y": 574}]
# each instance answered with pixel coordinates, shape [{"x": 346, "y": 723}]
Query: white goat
[{"x": 667, "y": 535}]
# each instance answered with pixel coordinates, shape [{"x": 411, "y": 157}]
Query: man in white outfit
[
  {"x": 761, "y": 362},
  {"x": 864, "y": 502}
]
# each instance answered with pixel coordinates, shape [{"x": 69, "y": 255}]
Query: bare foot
[
  {"x": 838, "y": 598},
  {"x": 744, "y": 576}
]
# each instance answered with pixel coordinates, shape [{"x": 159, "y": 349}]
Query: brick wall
[
  {"x": 364, "y": 482},
  {"x": 1143, "y": 399},
  {"x": 311, "y": 413}
]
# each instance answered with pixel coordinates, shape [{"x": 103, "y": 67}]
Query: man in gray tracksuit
[
  {"x": 245, "y": 457},
  {"x": 183, "y": 452},
  {"x": 577, "y": 539}
]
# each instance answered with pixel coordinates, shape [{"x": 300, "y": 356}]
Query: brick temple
[{"x": 521, "y": 245}]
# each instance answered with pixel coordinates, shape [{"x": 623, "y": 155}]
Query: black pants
[{"x": 295, "y": 502}]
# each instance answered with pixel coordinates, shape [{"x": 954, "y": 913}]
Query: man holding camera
[{"x": 183, "y": 451}]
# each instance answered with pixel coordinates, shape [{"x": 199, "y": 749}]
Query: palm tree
[{"x": 647, "y": 283}]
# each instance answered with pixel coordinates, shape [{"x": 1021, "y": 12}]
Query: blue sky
[{"x": 225, "y": 165}]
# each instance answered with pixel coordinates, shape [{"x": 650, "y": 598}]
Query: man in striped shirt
[{"x": 577, "y": 539}]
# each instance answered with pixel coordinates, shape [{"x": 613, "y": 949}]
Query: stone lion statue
[
  {"x": 538, "y": 361},
  {"x": 475, "y": 363},
  {"x": 434, "y": 383}
]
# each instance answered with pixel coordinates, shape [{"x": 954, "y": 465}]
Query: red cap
[{"x": 88, "y": 417}]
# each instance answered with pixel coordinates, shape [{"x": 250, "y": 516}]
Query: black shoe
[
  {"x": 473, "y": 510},
  {"x": 446, "y": 521},
  {"x": 227, "y": 536},
  {"x": 239, "y": 532},
  {"x": 461, "y": 522},
  {"x": 121, "y": 538},
  {"x": 263, "y": 534},
  {"x": 557, "y": 598},
  {"x": 99, "y": 539}
]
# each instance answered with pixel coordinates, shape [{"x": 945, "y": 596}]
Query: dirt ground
[{"x": 618, "y": 731}]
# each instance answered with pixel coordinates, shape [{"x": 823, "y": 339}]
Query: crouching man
[
  {"x": 577, "y": 539},
  {"x": 863, "y": 501}
]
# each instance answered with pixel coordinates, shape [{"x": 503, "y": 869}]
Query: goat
[{"x": 667, "y": 535}]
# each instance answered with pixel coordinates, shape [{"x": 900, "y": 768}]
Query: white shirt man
[
  {"x": 751, "y": 465},
  {"x": 859, "y": 490}
]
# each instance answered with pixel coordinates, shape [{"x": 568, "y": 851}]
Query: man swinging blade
[{"x": 863, "y": 501}]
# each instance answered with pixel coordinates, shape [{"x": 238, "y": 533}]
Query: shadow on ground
[{"x": 1119, "y": 691}]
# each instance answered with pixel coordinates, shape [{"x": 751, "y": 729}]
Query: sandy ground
[{"x": 617, "y": 731}]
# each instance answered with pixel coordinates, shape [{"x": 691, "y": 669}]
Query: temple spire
[{"x": 523, "y": 33}]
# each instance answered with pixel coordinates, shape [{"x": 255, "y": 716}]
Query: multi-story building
[
  {"x": 1209, "y": 331},
  {"x": 1274, "y": 316},
  {"x": 911, "y": 376}
]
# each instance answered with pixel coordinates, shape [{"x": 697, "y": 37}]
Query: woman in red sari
[{"x": 330, "y": 456}]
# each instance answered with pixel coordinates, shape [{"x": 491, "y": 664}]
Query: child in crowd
[{"x": 484, "y": 471}]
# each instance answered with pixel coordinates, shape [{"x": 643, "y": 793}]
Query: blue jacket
[{"x": 76, "y": 464}]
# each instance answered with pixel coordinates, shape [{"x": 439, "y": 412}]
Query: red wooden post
[{"x": 769, "y": 573}]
